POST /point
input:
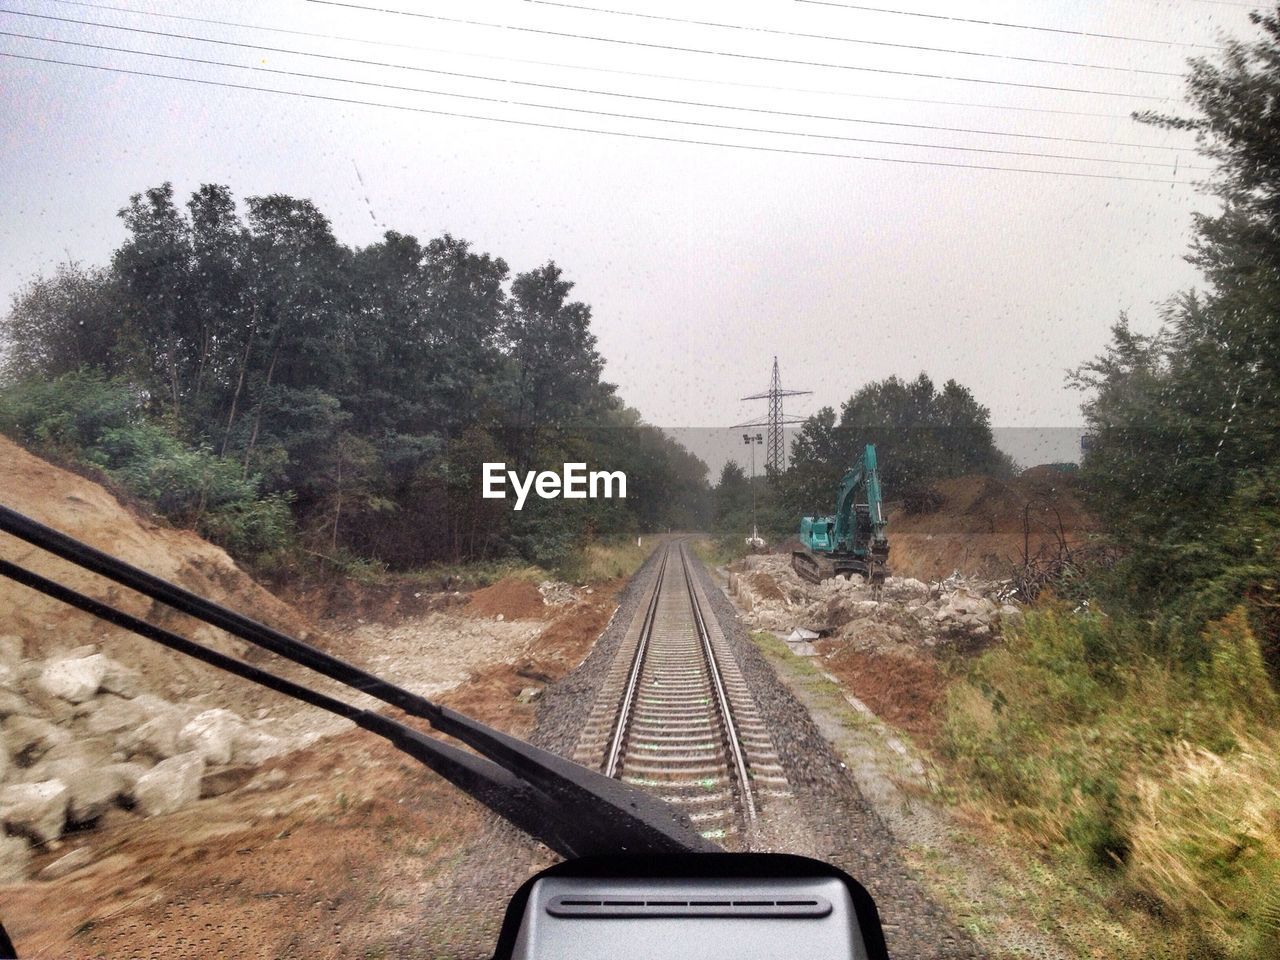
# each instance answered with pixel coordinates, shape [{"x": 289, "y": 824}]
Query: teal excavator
[{"x": 851, "y": 540}]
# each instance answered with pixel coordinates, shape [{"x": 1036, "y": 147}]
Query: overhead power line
[
  {"x": 1001, "y": 23},
  {"x": 789, "y": 151},
  {"x": 919, "y": 47},
  {"x": 919, "y": 74},
  {"x": 559, "y": 65},
  {"x": 547, "y": 86},
  {"x": 702, "y": 124}
]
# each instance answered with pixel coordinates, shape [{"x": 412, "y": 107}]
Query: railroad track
[{"x": 675, "y": 715}]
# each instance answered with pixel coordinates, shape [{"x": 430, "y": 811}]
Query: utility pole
[
  {"x": 776, "y": 420},
  {"x": 752, "y": 440}
]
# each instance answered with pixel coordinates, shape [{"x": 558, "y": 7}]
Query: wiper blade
[{"x": 572, "y": 809}]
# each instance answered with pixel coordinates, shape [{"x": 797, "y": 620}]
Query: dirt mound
[
  {"x": 511, "y": 598},
  {"x": 88, "y": 512},
  {"x": 903, "y": 690},
  {"x": 766, "y": 586},
  {"x": 985, "y": 526}
]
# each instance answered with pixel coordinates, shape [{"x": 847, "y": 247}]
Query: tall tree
[
  {"x": 1185, "y": 455},
  {"x": 57, "y": 325},
  {"x": 921, "y": 434},
  {"x": 554, "y": 367}
]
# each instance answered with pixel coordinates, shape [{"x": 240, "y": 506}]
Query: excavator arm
[{"x": 851, "y": 540}]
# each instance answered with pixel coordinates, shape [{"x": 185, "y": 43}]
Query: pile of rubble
[
  {"x": 904, "y": 611},
  {"x": 557, "y": 593},
  {"x": 80, "y": 737}
]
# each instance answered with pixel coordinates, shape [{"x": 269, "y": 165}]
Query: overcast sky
[{"x": 700, "y": 262}]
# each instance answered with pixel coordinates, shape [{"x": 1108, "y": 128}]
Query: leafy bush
[
  {"x": 69, "y": 414},
  {"x": 101, "y": 423},
  {"x": 596, "y": 562}
]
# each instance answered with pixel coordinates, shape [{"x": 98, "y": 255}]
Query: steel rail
[
  {"x": 733, "y": 742},
  {"x": 614, "y": 757}
]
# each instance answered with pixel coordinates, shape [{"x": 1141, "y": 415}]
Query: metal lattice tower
[{"x": 776, "y": 420}]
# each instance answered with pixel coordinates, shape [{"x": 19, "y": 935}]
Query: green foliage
[
  {"x": 1084, "y": 733},
  {"x": 101, "y": 423},
  {"x": 1185, "y": 456},
  {"x": 360, "y": 388},
  {"x": 68, "y": 414},
  {"x": 921, "y": 434}
]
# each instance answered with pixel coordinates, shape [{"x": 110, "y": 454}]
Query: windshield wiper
[{"x": 573, "y": 810}]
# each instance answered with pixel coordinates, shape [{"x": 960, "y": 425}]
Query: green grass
[
  {"x": 720, "y": 551},
  {"x": 601, "y": 561},
  {"x": 1148, "y": 782}
]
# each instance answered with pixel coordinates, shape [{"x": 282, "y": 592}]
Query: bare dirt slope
[
  {"x": 985, "y": 526},
  {"x": 88, "y": 512},
  {"x": 324, "y": 850}
]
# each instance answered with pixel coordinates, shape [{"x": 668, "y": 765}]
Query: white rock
[
  {"x": 903, "y": 588},
  {"x": 36, "y": 810},
  {"x": 112, "y": 715},
  {"x": 77, "y": 859},
  {"x": 169, "y": 785},
  {"x": 157, "y": 737},
  {"x": 1010, "y": 615},
  {"x": 88, "y": 752},
  {"x": 11, "y": 703},
  {"x": 129, "y": 774},
  {"x": 74, "y": 680},
  {"x": 14, "y": 859},
  {"x": 255, "y": 747},
  {"x": 10, "y": 649},
  {"x": 121, "y": 680},
  {"x": 211, "y": 734},
  {"x": 32, "y": 735},
  {"x": 91, "y": 791},
  {"x": 15, "y": 856},
  {"x": 86, "y": 769}
]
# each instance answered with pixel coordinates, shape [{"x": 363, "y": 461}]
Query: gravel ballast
[
  {"x": 843, "y": 828},
  {"x": 828, "y": 817}
]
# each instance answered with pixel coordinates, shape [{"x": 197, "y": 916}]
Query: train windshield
[{"x": 461, "y": 457}]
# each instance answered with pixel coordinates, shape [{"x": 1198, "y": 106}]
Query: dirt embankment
[
  {"x": 984, "y": 526},
  {"x": 330, "y": 848},
  {"x": 86, "y": 511}
]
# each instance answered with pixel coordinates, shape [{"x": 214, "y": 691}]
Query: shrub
[
  {"x": 921, "y": 498},
  {"x": 69, "y": 414},
  {"x": 79, "y": 417},
  {"x": 1120, "y": 743}
]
